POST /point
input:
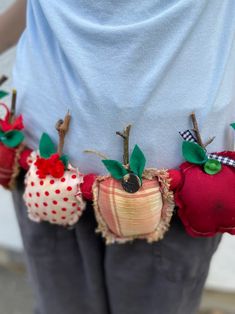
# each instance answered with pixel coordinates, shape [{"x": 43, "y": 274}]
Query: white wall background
[{"x": 222, "y": 273}]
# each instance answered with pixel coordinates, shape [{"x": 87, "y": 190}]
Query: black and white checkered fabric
[
  {"x": 222, "y": 159},
  {"x": 188, "y": 136}
]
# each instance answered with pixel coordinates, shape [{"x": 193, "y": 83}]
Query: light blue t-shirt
[{"x": 111, "y": 63}]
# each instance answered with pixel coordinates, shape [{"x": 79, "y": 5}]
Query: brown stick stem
[
  {"x": 3, "y": 79},
  {"x": 13, "y": 105},
  {"x": 125, "y": 135},
  {"x": 62, "y": 126},
  {"x": 196, "y": 130},
  {"x": 209, "y": 141}
]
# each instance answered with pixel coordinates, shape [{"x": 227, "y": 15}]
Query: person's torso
[{"x": 113, "y": 63}]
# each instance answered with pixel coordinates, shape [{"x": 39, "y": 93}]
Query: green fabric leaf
[
  {"x": 137, "y": 161},
  {"x": 3, "y": 94},
  {"x": 65, "y": 160},
  {"x": 12, "y": 138},
  {"x": 1, "y": 134},
  {"x": 233, "y": 125},
  {"x": 194, "y": 153},
  {"x": 212, "y": 166},
  {"x": 115, "y": 168},
  {"x": 46, "y": 146}
]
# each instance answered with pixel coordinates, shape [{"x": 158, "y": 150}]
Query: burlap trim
[
  {"x": 167, "y": 210},
  {"x": 16, "y": 167}
]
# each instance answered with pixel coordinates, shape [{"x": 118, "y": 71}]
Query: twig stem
[
  {"x": 125, "y": 135},
  {"x": 196, "y": 130},
  {"x": 209, "y": 141},
  {"x": 13, "y": 105},
  {"x": 3, "y": 79},
  {"x": 62, "y": 127}
]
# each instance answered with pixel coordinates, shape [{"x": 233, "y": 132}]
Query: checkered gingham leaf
[
  {"x": 188, "y": 136},
  {"x": 222, "y": 159}
]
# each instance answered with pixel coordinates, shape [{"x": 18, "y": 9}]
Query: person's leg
[
  {"x": 166, "y": 277},
  {"x": 65, "y": 266}
]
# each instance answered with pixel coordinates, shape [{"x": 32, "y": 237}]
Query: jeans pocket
[
  {"x": 181, "y": 257},
  {"x": 38, "y": 238}
]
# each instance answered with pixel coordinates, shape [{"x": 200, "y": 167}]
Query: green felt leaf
[
  {"x": 137, "y": 161},
  {"x": 12, "y": 138},
  {"x": 212, "y": 166},
  {"x": 46, "y": 146},
  {"x": 233, "y": 125},
  {"x": 2, "y": 133},
  {"x": 115, "y": 168},
  {"x": 3, "y": 94},
  {"x": 65, "y": 160},
  {"x": 194, "y": 153}
]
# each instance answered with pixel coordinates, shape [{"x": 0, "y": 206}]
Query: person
[{"x": 113, "y": 63}]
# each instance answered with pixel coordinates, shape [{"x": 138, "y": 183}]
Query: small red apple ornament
[
  {"x": 12, "y": 150},
  {"x": 52, "y": 190},
  {"x": 132, "y": 202},
  {"x": 205, "y": 197}
]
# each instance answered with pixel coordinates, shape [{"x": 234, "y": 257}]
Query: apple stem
[
  {"x": 125, "y": 135},
  {"x": 209, "y": 141},
  {"x": 197, "y": 132},
  {"x": 62, "y": 126},
  {"x": 13, "y": 105},
  {"x": 3, "y": 79}
]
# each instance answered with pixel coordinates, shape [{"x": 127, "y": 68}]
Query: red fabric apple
[
  {"x": 11, "y": 147},
  {"x": 205, "y": 196}
]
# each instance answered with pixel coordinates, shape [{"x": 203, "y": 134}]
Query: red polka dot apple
[
  {"x": 132, "y": 202},
  {"x": 12, "y": 151},
  {"x": 205, "y": 196},
  {"x": 52, "y": 190}
]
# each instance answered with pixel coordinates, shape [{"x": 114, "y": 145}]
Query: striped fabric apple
[{"x": 132, "y": 202}]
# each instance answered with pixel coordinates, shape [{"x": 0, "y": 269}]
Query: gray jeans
[{"x": 74, "y": 272}]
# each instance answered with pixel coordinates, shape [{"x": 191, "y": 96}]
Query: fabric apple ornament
[
  {"x": 52, "y": 190},
  {"x": 12, "y": 150},
  {"x": 132, "y": 202},
  {"x": 205, "y": 196}
]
